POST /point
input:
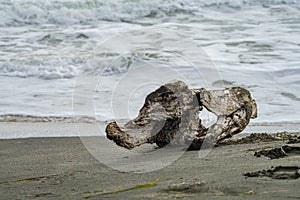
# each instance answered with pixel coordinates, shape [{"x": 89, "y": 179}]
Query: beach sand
[{"x": 62, "y": 168}]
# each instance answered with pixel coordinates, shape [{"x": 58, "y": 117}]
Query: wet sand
[{"x": 62, "y": 168}]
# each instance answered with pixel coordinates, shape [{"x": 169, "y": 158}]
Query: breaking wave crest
[
  {"x": 43, "y": 72},
  {"x": 35, "y": 12}
]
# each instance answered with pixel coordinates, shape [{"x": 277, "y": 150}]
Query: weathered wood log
[
  {"x": 170, "y": 115},
  {"x": 234, "y": 108}
]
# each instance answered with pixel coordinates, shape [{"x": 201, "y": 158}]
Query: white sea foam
[
  {"x": 24, "y": 12},
  {"x": 41, "y": 71}
]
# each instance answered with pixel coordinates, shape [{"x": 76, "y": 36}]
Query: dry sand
[{"x": 62, "y": 168}]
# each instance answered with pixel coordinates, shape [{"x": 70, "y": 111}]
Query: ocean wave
[
  {"x": 35, "y": 12},
  {"x": 61, "y": 69},
  {"x": 41, "y": 71}
]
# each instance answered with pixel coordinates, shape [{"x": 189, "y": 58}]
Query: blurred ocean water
[{"x": 44, "y": 44}]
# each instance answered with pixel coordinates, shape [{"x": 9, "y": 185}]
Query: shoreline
[
  {"x": 47, "y": 168},
  {"x": 15, "y": 130}
]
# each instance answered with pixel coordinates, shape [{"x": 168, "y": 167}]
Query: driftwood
[{"x": 170, "y": 115}]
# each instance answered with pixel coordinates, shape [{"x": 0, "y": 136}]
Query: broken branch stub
[
  {"x": 170, "y": 115},
  {"x": 234, "y": 108}
]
